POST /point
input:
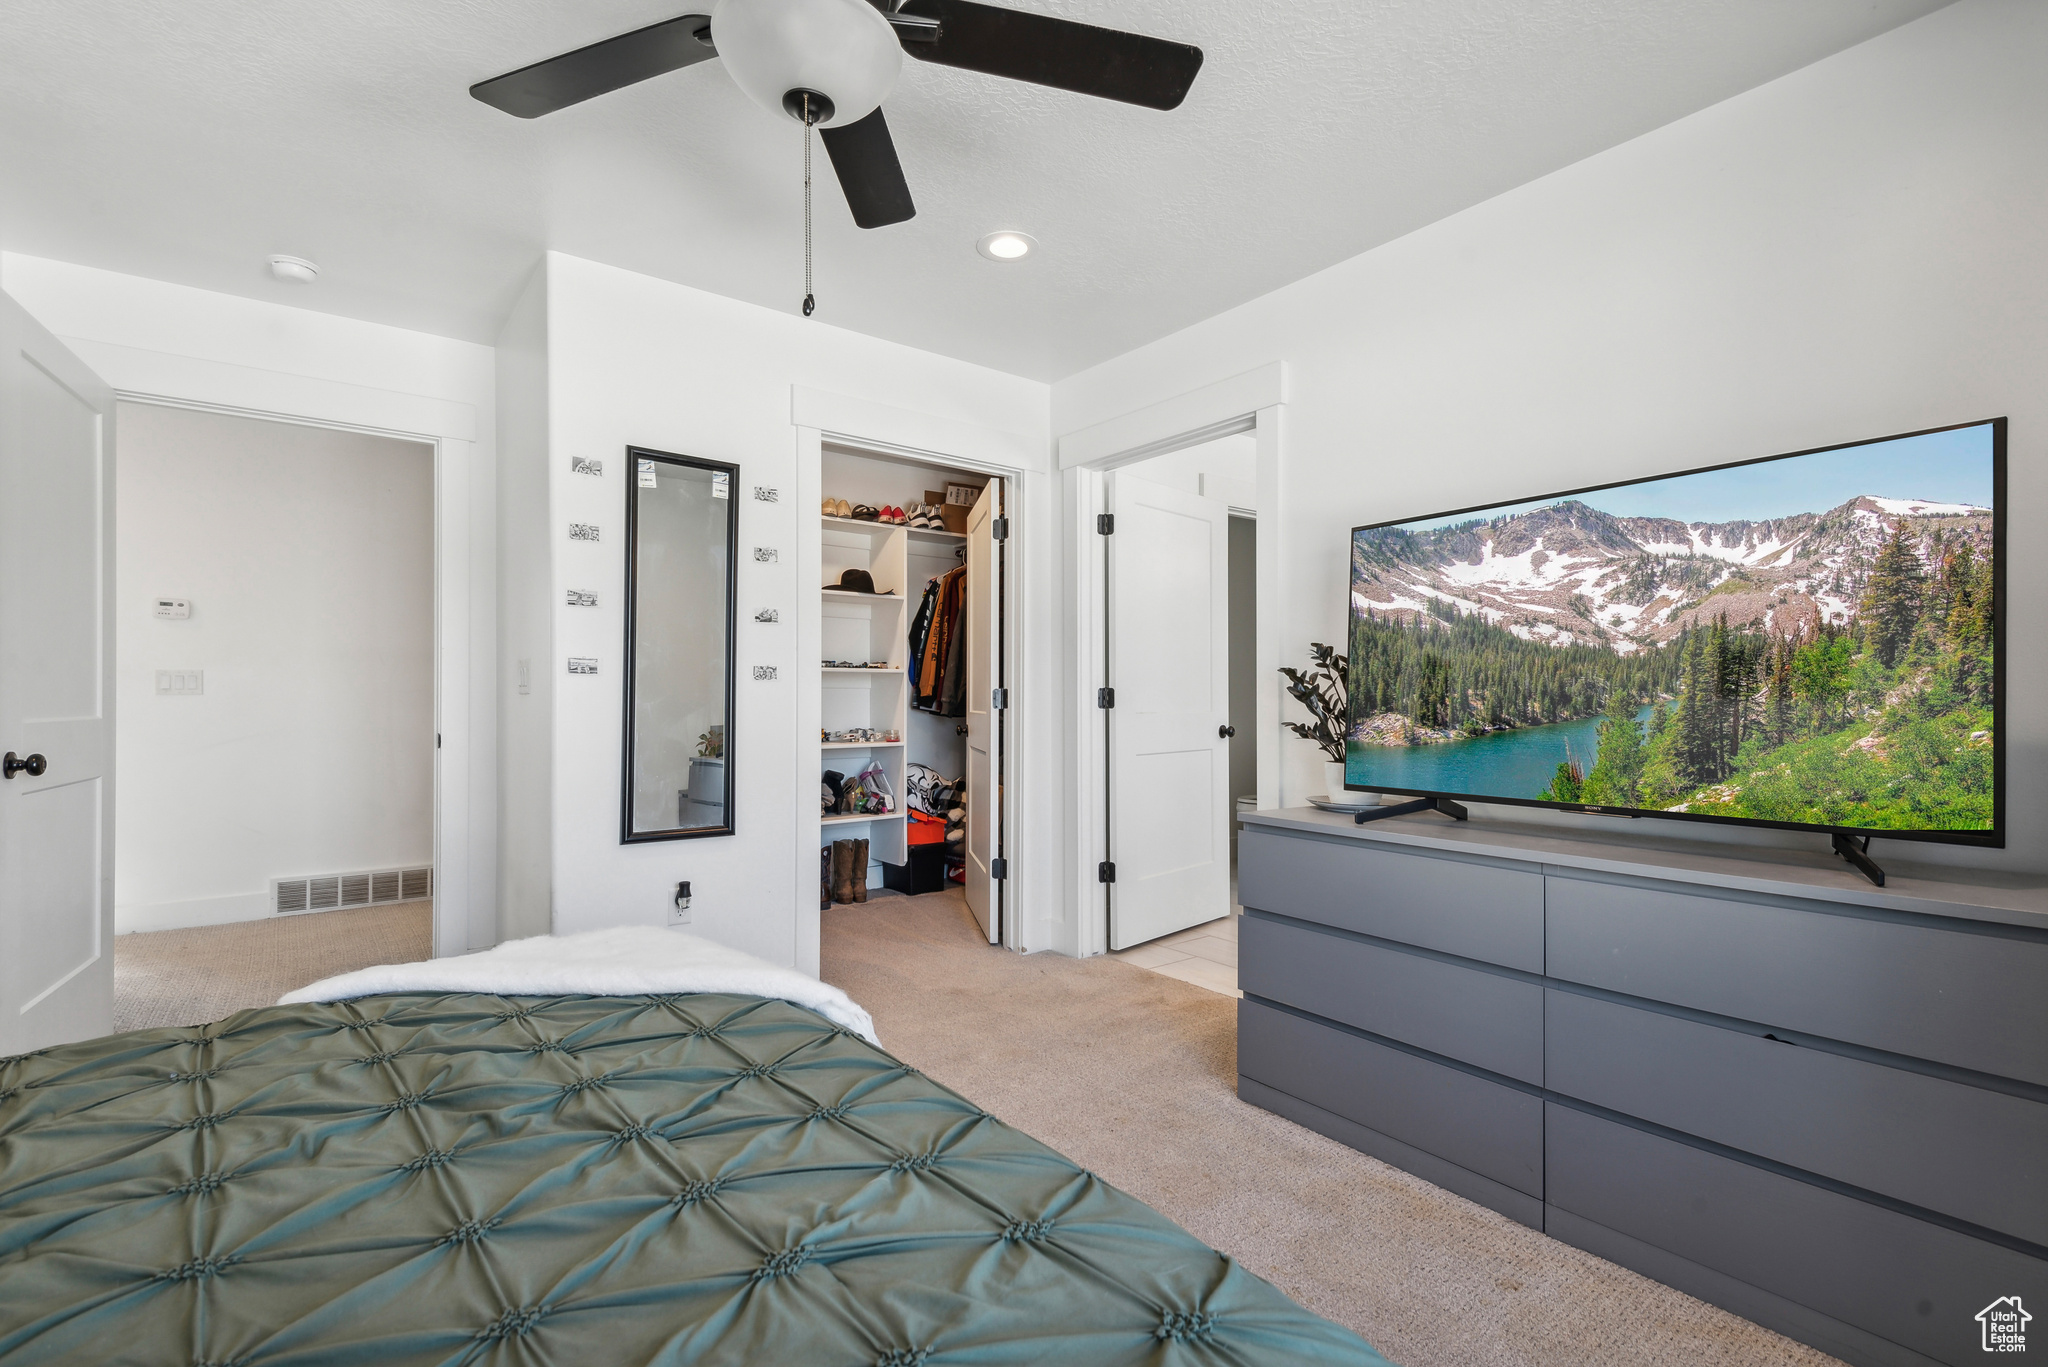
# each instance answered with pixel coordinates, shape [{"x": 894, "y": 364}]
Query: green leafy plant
[
  {"x": 1323, "y": 690},
  {"x": 711, "y": 744}
]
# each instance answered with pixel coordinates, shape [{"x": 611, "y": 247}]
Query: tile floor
[{"x": 1205, "y": 955}]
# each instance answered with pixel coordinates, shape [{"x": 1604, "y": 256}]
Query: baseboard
[
  {"x": 1772, "y": 1311},
  {"x": 1518, "y": 1206}
]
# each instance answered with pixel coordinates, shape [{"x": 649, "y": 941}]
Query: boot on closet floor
[
  {"x": 842, "y": 871},
  {"x": 860, "y": 870},
  {"x": 824, "y": 876}
]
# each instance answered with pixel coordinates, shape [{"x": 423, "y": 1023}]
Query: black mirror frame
[{"x": 635, "y": 454}]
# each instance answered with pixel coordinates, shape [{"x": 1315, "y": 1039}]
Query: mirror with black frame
[{"x": 682, "y": 533}]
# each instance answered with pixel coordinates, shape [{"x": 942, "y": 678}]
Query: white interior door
[
  {"x": 56, "y": 692},
  {"x": 1169, "y": 757},
  {"x": 984, "y": 627}
]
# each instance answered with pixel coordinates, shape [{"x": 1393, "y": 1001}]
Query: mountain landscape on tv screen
[{"x": 1832, "y": 667}]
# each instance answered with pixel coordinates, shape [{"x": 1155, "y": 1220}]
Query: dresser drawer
[
  {"x": 1481, "y": 1126},
  {"x": 1972, "y": 1154},
  {"x": 1917, "y": 1284},
  {"x": 1489, "y": 912},
  {"x": 1481, "y": 1018},
  {"x": 1974, "y": 1000}
]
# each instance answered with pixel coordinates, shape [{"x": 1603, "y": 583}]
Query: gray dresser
[{"x": 1759, "y": 1079}]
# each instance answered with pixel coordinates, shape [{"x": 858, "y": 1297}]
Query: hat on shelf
[{"x": 856, "y": 581}]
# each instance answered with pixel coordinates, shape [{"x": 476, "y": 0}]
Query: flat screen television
[{"x": 1813, "y": 641}]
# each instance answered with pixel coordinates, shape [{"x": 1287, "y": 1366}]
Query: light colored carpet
[
  {"x": 187, "y": 977},
  {"x": 1133, "y": 1074}
]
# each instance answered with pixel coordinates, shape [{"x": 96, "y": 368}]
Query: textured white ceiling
[{"x": 189, "y": 141}]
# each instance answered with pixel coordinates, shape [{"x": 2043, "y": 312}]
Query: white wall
[
  {"x": 1225, "y": 469},
  {"x": 157, "y": 340},
  {"x": 1851, "y": 251},
  {"x": 526, "y": 623},
  {"x": 632, "y": 360},
  {"x": 308, "y": 557}
]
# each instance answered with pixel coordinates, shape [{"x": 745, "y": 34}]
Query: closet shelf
[
  {"x": 856, "y": 669},
  {"x": 855, "y": 524},
  {"x": 859, "y": 817},
  {"x": 860, "y": 744},
  {"x": 934, "y": 534},
  {"x": 857, "y": 595}
]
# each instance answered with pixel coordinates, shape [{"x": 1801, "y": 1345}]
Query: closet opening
[{"x": 913, "y": 693}]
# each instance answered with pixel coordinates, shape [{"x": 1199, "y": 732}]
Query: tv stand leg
[
  {"x": 1858, "y": 854},
  {"x": 1420, "y": 804}
]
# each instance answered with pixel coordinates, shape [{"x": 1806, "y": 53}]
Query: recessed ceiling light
[
  {"x": 294, "y": 268},
  {"x": 1006, "y": 245}
]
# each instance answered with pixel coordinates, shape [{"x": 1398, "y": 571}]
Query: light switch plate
[{"x": 181, "y": 682}]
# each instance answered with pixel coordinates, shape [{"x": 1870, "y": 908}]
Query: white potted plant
[{"x": 1323, "y": 691}]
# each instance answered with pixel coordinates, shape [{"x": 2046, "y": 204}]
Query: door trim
[{"x": 1253, "y": 402}]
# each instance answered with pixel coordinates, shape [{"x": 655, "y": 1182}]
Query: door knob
[
  {"x": 1226, "y": 732},
  {"x": 35, "y": 766},
  {"x": 961, "y": 729}
]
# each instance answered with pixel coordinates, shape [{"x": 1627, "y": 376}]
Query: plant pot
[{"x": 1333, "y": 778}]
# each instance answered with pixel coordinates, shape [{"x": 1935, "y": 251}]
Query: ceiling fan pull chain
[{"x": 810, "y": 301}]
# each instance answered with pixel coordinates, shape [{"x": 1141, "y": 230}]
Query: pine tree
[
  {"x": 1694, "y": 720},
  {"x": 1892, "y": 598},
  {"x": 1619, "y": 765}
]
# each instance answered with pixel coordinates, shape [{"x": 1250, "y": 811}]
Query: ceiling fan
[{"x": 830, "y": 63}]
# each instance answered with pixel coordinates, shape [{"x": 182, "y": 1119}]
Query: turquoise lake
[{"x": 1516, "y": 763}]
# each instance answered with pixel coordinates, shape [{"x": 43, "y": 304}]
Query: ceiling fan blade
[
  {"x": 865, "y": 157},
  {"x": 1056, "y": 52},
  {"x": 577, "y": 76}
]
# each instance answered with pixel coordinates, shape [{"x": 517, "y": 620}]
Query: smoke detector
[{"x": 296, "y": 269}]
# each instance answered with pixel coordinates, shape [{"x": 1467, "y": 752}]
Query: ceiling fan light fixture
[
  {"x": 296, "y": 269},
  {"x": 1007, "y": 244},
  {"x": 842, "y": 49}
]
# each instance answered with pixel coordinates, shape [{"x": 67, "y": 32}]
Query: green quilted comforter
[{"x": 574, "y": 1182}]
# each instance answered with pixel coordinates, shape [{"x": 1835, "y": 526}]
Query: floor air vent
[{"x": 339, "y": 891}]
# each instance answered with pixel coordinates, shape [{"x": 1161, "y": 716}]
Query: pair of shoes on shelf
[
  {"x": 926, "y": 515},
  {"x": 861, "y": 512}
]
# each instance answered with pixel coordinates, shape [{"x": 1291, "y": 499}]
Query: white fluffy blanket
[{"x": 625, "y": 962}]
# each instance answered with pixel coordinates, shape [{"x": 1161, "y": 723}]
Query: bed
[{"x": 463, "y": 1176}]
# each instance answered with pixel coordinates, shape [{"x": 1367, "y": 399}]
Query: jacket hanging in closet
[{"x": 937, "y": 652}]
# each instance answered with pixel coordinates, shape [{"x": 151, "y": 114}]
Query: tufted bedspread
[{"x": 574, "y": 1182}]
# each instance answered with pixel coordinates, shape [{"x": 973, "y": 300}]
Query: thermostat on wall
[{"x": 176, "y": 608}]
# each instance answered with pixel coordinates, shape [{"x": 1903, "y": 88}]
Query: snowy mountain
[{"x": 1567, "y": 573}]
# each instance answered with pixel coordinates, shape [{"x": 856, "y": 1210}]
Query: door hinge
[
  {"x": 998, "y": 699},
  {"x": 437, "y": 740},
  {"x": 1105, "y": 524},
  {"x": 1105, "y": 698},
  {"x": 1001, "y": 528},
  {"x": 1105, "y": 872},
  {"x": 999, "y": 868}
]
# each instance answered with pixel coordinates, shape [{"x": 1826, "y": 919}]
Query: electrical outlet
[{"x": 679, "y": 906}]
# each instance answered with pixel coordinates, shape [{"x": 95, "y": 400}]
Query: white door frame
[
  {"x": 820, "y": 417},
  {"x": 1253, "y": 402},
  {"x": 465, "y": 901}
]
